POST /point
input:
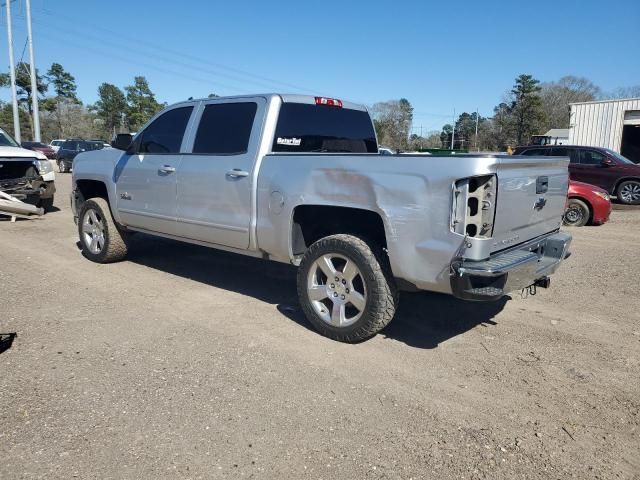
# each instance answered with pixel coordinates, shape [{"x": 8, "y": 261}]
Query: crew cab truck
[{"x": 298, "y": 179}]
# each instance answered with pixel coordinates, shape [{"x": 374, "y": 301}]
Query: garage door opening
[
  {"x": 630, "y": 146},
  {"x": 631, "y": 142}
]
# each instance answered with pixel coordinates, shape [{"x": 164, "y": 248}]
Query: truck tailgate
[{"x": 532, "y": 193}]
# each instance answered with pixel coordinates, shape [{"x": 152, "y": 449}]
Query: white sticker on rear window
[{"x": 289, "y": 141}]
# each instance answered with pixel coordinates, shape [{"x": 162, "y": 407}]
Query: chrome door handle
[
  {"x": 237, "y": 173},
  {"x": 166, "y": 169}
]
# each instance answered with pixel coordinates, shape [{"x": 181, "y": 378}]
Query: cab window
[
  {"x": 225, "y": 128},
  {"x": 164, "y": 134},
  {"x": 314, "y": 128}
]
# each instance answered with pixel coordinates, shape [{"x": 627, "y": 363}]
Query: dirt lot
[{"x": 184, "y": 362}]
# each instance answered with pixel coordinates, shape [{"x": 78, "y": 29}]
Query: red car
[
  {"x": 40, "y": 147},
  {"x": 586, "y": 204}
]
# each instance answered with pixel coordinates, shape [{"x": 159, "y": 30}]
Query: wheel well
[
  {"x": 313, "y": 222},
  {"x": 620, "y": 180},
  {"x": 89, "y": 189}
]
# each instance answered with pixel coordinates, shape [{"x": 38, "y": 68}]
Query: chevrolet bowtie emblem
[{"x": 540, "y": 203}]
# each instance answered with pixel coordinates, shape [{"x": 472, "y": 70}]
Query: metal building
[{"x": 613, "y": 124}]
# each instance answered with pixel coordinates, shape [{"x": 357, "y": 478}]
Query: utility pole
[
  {"x": 34, "y": 79},
  {"x": 476, "y": 126},
  {"x": 12, "y": 74},
  {"x": 453, "y": 130}
]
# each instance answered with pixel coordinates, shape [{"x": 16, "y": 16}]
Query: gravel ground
[{"x": 185, "y": 362}]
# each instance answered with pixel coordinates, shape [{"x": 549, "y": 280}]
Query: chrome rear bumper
[{"x": 509, "y": 270}]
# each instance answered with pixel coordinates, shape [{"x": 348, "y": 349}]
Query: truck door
[
  {"x": 146, "y": 180},
  {"x": 215, "y": 178}
]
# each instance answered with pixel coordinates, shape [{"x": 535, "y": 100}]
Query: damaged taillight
[{"x": 474, "y": 206}]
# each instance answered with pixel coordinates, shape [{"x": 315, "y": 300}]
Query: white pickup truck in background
[{"x": 298, "y": 179}]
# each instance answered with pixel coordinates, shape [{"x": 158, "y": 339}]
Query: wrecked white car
[{"x": 26, "y": 176}]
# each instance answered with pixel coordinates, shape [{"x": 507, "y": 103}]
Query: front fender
[{"x": 99, "y": 165}]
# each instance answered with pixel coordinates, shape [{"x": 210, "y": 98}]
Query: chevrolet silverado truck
[{"x": 298, "y": 179}]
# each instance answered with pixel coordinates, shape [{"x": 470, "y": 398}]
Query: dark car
[
  {"x": 598, "y": 166},
  {"x": 71, "y": 148},
  {"x": 40, "y": 147}
]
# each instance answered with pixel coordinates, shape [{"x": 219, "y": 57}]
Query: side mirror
[
  {"x": 607, "y": 162},
  {"x": 122, "y": 141}
]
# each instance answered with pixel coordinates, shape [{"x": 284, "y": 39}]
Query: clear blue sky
[{"x": 439, "y": 55}]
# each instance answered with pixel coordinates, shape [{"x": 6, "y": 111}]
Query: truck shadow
[{"x": 424, "y": 320}]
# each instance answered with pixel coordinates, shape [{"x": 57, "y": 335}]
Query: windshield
[
  {"x": 619, "y": 157},
  {"x": 7, "y": 140}
]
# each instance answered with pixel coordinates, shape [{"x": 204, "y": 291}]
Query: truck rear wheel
[
  {"x": 101, "y": 240},
  {"x": 346, "y": 288}
]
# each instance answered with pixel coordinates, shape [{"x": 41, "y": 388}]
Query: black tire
[
  {"x": 577, "y": 213},
  {"x": 628, "y": 192},
  {"x": 381, "y": 298},
  {"x": 61, "y": 166},
  {"x": 114, "y": 247},
  {"x": 46, "y": 204}
]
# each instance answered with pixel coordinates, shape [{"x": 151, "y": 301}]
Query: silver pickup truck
[{"x": 298, "y": 179}]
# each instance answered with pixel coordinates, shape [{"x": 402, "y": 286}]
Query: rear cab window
[{"x": 304, "y": 128}]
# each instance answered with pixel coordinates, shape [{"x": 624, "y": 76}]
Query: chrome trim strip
[
  {"x": 146, "y": 214},
  {"x": 212, "y": 225}
]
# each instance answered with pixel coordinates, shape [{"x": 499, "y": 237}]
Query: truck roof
[{"x": 286, "y": 98}]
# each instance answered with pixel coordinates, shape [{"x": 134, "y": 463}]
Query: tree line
[
  {"x": 64, "y": 115},
  {"x": 529, "y": 108}
]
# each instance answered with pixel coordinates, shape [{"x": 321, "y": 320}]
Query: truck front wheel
[
  {"x": 346, "y": 288},
  {"x": 102, "y": 241}
]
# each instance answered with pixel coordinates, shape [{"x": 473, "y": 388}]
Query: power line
[
  {"x": 119, "y": 46},
  {"x": 174, "y": 73},
  {"x": 182, "y": 55}
]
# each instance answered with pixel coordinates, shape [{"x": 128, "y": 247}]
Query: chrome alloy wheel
[
  {"x": 630, "y": 192},
  {"x": 336, "y": 290},
  {"x": 93, "y": 231}
]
